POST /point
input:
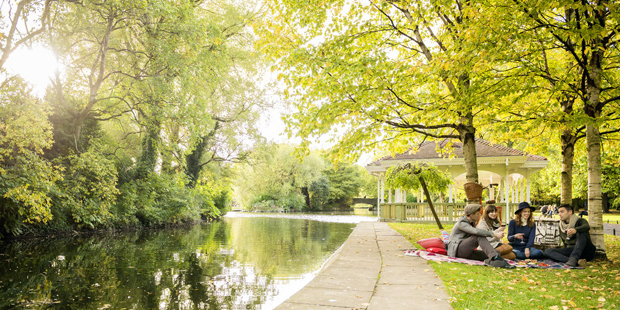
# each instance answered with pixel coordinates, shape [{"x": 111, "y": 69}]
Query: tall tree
[
  {"x": 385, "y": 73},
  {"x": 586, "y": 32}
]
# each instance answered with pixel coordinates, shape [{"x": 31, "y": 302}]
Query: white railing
[{"x": 421, "y": 212}]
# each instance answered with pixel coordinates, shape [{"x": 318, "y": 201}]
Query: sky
[{"x": 35, "y": 64}]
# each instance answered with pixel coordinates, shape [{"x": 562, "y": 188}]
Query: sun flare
[{"x": 36, "y": 65}]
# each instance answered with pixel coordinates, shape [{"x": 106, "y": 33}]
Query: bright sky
[{"x": 36, "y": 65}]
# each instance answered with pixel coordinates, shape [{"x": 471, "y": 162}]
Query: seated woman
[
  {"x": 490, "y": 223},
  {"x": 521, "y": 233},
  {"x": 465, "y": 238}
]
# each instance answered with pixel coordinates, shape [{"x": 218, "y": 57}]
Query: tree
[
  {"x": 383, "y": 73},
  {"x": 412, "y": 177},
  {"x": 345, "y": 182},
  {"x": 26, "y": 177},
  {"x": 586, "y": 33}
]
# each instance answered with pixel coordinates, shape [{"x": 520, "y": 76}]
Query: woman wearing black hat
[{"x": 521, "y": 233}]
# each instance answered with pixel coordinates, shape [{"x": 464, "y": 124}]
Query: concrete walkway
[
  {"x": 371, "y": 272},
  {"x": 611, "y": 229}
]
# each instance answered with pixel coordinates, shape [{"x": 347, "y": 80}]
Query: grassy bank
[{"x": 481, "y": 287}]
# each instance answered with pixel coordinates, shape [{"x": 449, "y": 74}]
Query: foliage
[
  {"x": 470, "y": 286},
  {"x": 26, "y": 177},
  {"x": 155, "y": 101},
  {"x": 90, "y": 189},
  {"x": 408, "y": 178},
  {"x": 381, "y": 76},
  {"x": 276, "y": 179}
]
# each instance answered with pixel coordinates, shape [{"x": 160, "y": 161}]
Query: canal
[{"x": 244, "y": 261}]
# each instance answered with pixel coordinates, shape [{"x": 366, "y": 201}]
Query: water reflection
[{"x": 237, "y": 263}]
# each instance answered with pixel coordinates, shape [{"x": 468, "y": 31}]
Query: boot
[
  {"x": 510, "y": 256},
  {"x": 572, "y": 261}
]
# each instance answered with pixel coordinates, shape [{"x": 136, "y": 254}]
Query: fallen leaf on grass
[{"x": 602, "y": 299}]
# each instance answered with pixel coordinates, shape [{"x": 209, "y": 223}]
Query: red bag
[
  {"x": 437, "y": 251},
  {"x": 432, "y": 243}
]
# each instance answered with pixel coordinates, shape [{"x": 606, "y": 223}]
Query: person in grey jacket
[{"x": 465, "y": 238}]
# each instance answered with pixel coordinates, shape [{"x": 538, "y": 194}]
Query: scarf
[{"x": 571, "y": 223}]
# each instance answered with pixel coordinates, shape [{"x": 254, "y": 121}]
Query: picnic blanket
[{"x": 540, "y": 263}]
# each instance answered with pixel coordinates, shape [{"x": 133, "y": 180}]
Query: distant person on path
[
  {"x": 522, "y": 231},
  {"x": 465, "y": 238},
  {"x": 543, "y": 210},
  {"x": 575, "y": 233},
  {"x": 490, "y": 223}
]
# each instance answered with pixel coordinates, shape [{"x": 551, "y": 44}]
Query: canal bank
[{"x": 370, "y": 272}]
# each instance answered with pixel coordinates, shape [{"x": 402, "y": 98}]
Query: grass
[{"x": 481, "y": 287}]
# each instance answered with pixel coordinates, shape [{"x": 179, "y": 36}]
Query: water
[{"x": 242, "y": 262}]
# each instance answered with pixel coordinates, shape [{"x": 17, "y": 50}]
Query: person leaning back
[
  {"x": 465, "y": 238},
  {"x": 575, "y": 233}
]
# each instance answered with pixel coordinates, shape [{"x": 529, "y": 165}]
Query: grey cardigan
[
  {"x": 492, "y": 240},
  {"x": 462, "y": 230}
]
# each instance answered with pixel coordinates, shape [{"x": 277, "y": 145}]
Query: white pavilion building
[{"x": 507, "y": 171}]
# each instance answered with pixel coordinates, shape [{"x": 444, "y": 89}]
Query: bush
[{"x": 90, "y": 189}]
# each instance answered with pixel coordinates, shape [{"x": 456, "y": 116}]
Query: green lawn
[{"x": 481, "y": 287}]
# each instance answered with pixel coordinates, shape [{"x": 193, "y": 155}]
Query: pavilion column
[
  {"x": 450, "y": 193},
  {"x": 390, "y": 195},
  {"x": 382, "y": 190},
  {"x": 528, "y": 191},
  {"x": 421, "y": 195},
  {"x": 501, "y": 191},
  {"x": 506, "y": 194},
  {"x": 379, "y": 196}
]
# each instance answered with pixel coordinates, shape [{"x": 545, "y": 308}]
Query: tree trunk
[
  {"x": 150, "y": 145},
  {"x": 467, "y": 135},
  {"x": 595, "y": 201},
  {"x": 430, "y": 201},
  {"x": 194, "y": 160},
  {"x": 306, "y": 193},
  {"x": 593, "y": 141},
  {"x": 568, "y": 155}
]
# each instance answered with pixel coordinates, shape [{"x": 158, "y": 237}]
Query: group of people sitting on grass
[
  {"x": 549, "y": 210},
  {"x": 466, "y": 237}
]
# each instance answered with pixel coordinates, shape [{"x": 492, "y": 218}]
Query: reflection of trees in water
[{"x": 183, "y": 268}]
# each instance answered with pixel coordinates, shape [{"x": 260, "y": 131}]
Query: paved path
[
  {"x": 611, "y": 229},
  {"x": 370, "y": 272}
]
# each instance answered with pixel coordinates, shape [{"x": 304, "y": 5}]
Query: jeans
[
  {"x": 582, "y": 249},
  {"x": 534, "y": 253},
  {"x": 467, "y": 248}
]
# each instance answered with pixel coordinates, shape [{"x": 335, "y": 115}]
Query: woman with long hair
[
  {"x": 522, "y": 231},
  {"x": 490, "y": 222}
]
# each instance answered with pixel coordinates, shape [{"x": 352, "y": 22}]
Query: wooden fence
[{"x": 421, "y": 212}]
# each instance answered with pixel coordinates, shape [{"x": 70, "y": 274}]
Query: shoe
[
  {"x": 582, "y": 263},
  {"x": 572, "y": 262},
  {"x": 498, "y": 262}
]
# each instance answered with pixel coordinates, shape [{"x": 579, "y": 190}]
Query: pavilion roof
[{"x": 429, "y": 150}]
